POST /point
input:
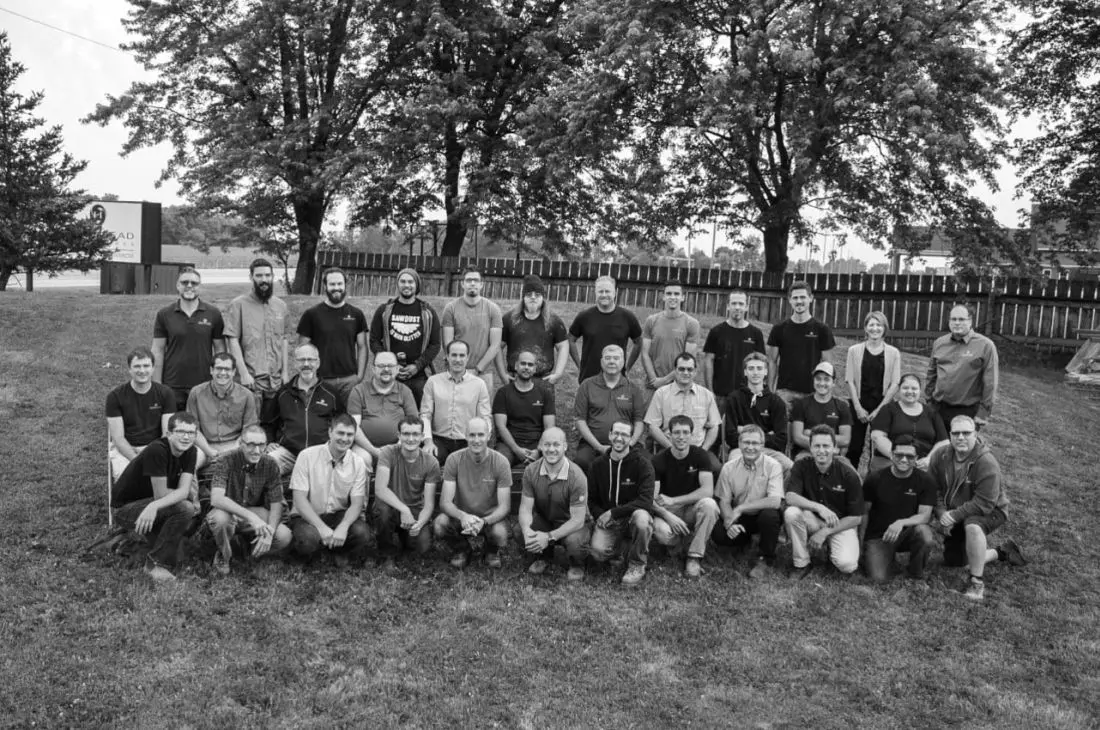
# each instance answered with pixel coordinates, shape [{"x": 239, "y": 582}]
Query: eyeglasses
[
  {"x": 223, "y": 369},
  {"x": 905, "y": 457},
  {"x": 253, "y": 444},
  {"x": 385, "y": 365},
  {"x": 185, "y": 434},
  {"x": 751, "y": 443},
  {"x": 961, "y": 433},
  {"x": 189, "y": 283}
]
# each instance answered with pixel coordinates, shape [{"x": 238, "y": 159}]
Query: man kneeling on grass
[
  {"x": 477, "y": 494},
  {"x": 329, "y": 484},
  {"x": 750, "y": 490},
  {"x": 404, "y": 493},
  {"x": 620, "y": 497},
  {"x": 971, "y": 504},
  {"x": 246, "y": 497},
  {"x": 824, "y": 506},
  {"x": 553, "y": 507},
  {"x": 151, "y": 495},
  {"x": 899, "y": 503}
]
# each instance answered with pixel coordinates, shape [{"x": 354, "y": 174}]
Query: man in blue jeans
[
  {"x": 151, "y": 495},
  {"x": 899, "y": 503}
]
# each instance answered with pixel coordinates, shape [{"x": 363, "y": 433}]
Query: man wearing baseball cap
[
  {"x": 532, "y": 326},
  {"x": 821, "y": 408}
]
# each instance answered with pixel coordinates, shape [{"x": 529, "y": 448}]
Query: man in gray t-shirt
[{"x": 476, "y": 321}]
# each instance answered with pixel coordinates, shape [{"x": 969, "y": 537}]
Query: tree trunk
[
  {"x": 457, "y": 221},
  {"x": 5, "y": 275},
  {"x": 308, "y": 214},
  {"x": 775, "y": 246}
]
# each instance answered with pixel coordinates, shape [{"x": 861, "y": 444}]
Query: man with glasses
[
  {"x": 522, "y": 410},
  {"x": 378, "y": 405},
  {"x": 186, "y": 336},
  {"x": 151, "y": 495},
  {"x": 685, "y": 397},
  {"x": 256, "y": 335},
  {"x": 533, "y": 328},
  {"x": 223, "y": 408},
  {"x": 962, "y": 371},
  {"x": 305, "y": 411},
  {"x": 338, "y": 329},
  {"x": 899, "y": 501},
  {"x": 970, "y": 504},
  {"x": 750, "y": 491},
  {"x": 247, "y": 498},
  {"x": 476, "y": 321},
  {"x": 405, "y": 492}
]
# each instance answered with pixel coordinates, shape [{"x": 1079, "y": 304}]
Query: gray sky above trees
[{"x": 76, "y": 74}]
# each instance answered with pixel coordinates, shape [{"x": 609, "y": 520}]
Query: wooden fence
[{"x": 1047, "y": 315}]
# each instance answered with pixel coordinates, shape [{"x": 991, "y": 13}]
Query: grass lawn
[{"x": 89, "y": 642}]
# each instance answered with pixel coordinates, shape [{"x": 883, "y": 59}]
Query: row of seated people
[{"x": 624, "y": 498}]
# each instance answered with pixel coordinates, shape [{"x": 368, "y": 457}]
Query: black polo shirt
[
  {"x": 839, "y": 488},
  {"x": 680, "y": 476},
  {"x": 893, "y": 498},
  {"x": 189, "y": 341},
  {"x": 333, "y": 330}
]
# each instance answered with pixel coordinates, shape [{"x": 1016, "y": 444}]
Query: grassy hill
[{"x": 90, "y": 642}]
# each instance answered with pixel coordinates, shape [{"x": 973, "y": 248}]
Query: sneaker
[
  {"x": 1010, "y": 553},
  {"x": 493, "y": 560},
  {"x": 389, "y": 565},
  {"x": 341, "y": 560},
  {"x": 459, "y": 560},
  {"x": 759, "y": 570},
  {"x": 634, "y": 575},
  {"x": 692, "y": 569},
  {"x": 975, "y": 590},
  {"x": 800, "y": 573},
  {"x": 159, "y": 574},
  {"x": 538, "y": 567},
  {"x": 575, "y": 573},
  {"x": 221, "y": 564}
]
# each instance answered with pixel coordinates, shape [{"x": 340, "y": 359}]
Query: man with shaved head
[
  {"x": 476, "y": 497},
  {"x": 306, "y": 407},
  {"x": 553, "y": 508}
]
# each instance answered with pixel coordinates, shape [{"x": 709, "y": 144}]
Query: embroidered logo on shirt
[
  {"x": 203, "y": 322},
  {"x": 692, "y": 469},
  {"x": 537, "y": 404},
  {"x": 622, "y": 397},
  {"x": 321, "y": 402},
  {"x": 910, "y": 493},
  {"x": 838, "y": 488}
]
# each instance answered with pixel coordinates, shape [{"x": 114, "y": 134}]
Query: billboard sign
[{"x": 123, "y": 221}]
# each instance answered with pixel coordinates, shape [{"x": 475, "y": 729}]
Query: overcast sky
[{"x": 77, "y": 74}]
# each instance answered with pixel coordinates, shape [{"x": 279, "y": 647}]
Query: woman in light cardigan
[{"x": 873, "y": 373}]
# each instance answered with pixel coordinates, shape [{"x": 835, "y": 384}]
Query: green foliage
[
  {"x": 869, "y": 112},
  {"x": 39, "y": 224},
  {"x": 1056, "y": 81}
]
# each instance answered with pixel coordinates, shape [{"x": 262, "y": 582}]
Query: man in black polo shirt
[
  {"x": 684, "y": 485},
  {"x": 151, "y": 495},
  {"x": 820, "y": 409},
  {"x": 137, "y": 411},
  {"x": 339, "y": 332},
  {"x": 186, "y": 336},
  {"x": 795, "y": 345},
  {"x": 727, "y": 344},
  {"x": 824, "y": 506},
  {"x": 899, "y": 503},
  {"x": 522, "y": 410}
]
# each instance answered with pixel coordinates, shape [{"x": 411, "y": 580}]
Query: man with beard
[
  {"x": 329, "y": 485},
  {"x": 962, "y": 371},
  {"x": 522, "y": 410},
  {"x": 754, "y": 404},
  {"x": 339, "y": 332},
  {"x": 476, "y": 321},
  {"x": 305, "y": 411},
  {"x": 602, "y": 400},
  {"x": 186, "y": 335},
  {"x": 137, "y": 411},
  {"x": 899, "y": 503},
  {"x": 223, "y": 408},
  {"x": 256, "y": 330},
  {"x": 601, "y": 326},
  {"x": 553, "y": 508},
  {"x": 824, "y": 507},
  {"x": 796, "y": 345},
  {"x": 620, "y": 498},
  {"x": 246, "y": 497},
  {"x": 532, "y": 327},
  {"x": 150, "y": 497},
  {"x": 476, "y": 497},
  {"x": 378, "y": 404},
  {"x": 725, "y": 349},
  {"x": 408, "y": 327}
]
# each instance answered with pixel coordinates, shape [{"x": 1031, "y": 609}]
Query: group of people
[{"x": 369, "y": 446}]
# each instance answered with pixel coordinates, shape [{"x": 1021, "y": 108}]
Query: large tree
[
  {"x": 40, "y": 227},
  {"x": 273, "y": 109},
  {"x": 1056, "y": 80},
  {"x": 866, "y": 112}
]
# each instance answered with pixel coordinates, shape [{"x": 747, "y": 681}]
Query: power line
[{"x": 66, "y": 32}]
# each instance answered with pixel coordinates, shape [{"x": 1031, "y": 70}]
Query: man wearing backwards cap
[
  {"x": 408, "y": 327},
  {"x": 820, "y": 409},
  {"x": 532, "y": 326}
]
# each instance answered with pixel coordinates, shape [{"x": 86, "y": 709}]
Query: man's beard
[
  {"x": 262, "y": 290},
  {"x": 336, "y": 297}
]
